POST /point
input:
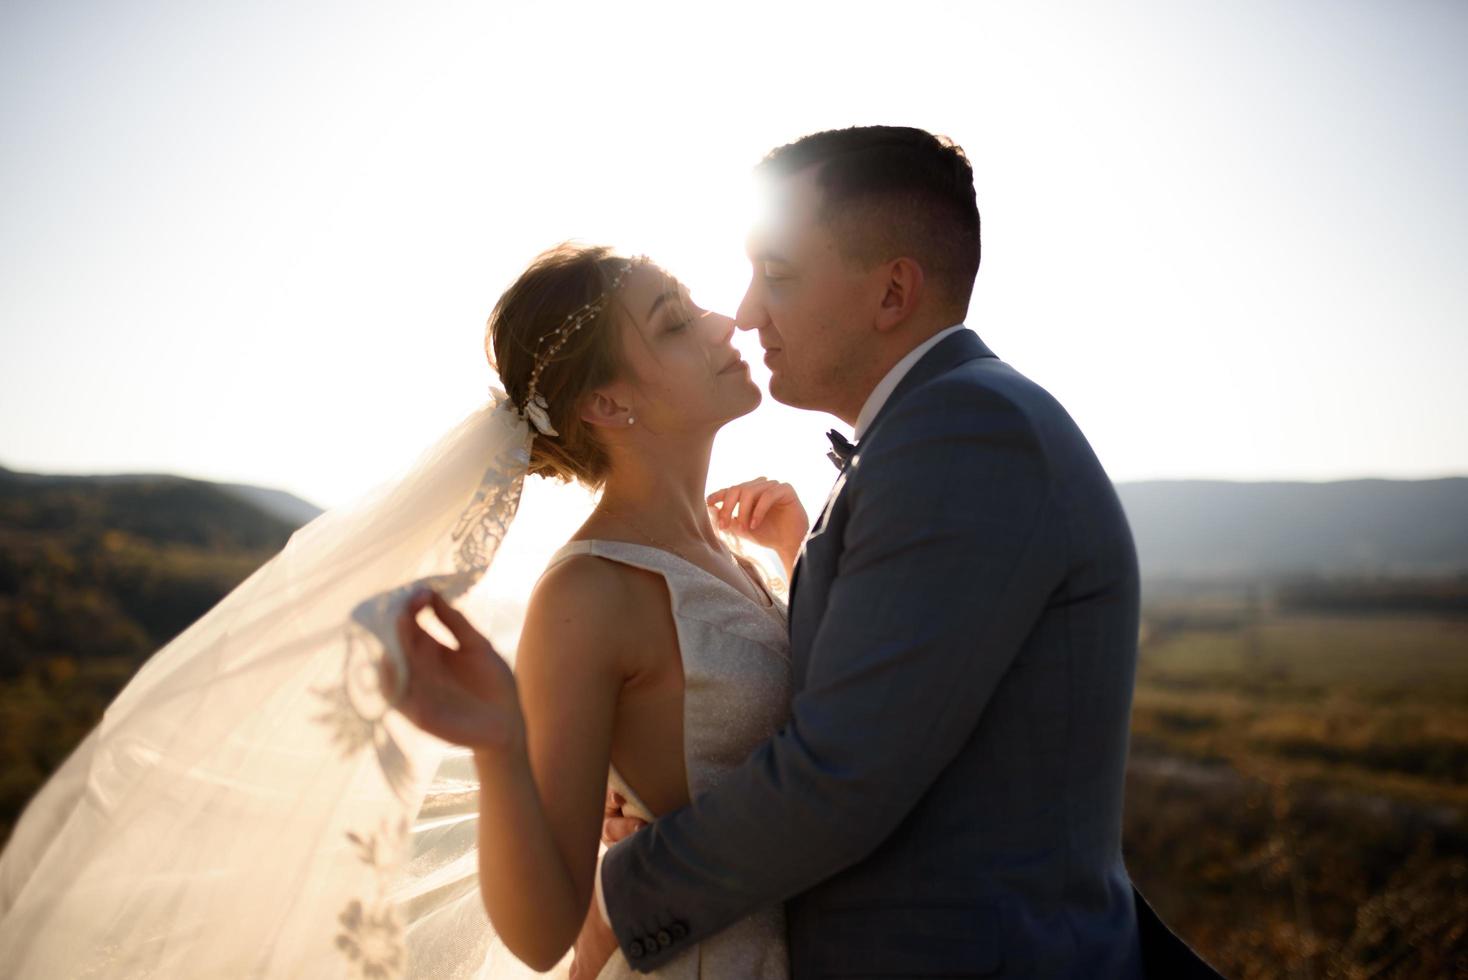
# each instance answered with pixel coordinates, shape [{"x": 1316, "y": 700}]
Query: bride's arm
[{"x": 541, "y": 756}]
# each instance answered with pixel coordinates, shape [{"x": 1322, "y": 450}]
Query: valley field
[{"x": 1297, "y": 796}]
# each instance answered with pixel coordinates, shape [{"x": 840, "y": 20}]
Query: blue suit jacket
[{"x": 946, "y": 798}]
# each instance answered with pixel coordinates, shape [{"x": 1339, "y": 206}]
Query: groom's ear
[
  {"x": 604, "y": 407},
  {"x": 902, "y": 289}
]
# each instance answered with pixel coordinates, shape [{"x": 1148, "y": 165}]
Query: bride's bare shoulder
[
  {"x": 585, "y": 581},
  {"x": 586, "y": 606}
]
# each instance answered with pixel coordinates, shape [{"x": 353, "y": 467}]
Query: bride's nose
[{"x": 718, "y": 328}]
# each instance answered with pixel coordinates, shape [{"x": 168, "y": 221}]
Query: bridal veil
[{"x": 250, "y": 805}]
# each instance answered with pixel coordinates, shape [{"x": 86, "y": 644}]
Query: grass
[{"x": 1297, "y": 801}]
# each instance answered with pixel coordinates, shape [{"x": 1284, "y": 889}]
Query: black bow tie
[{"x": 842, "y": 449}]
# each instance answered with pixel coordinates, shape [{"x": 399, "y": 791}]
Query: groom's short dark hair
[{"x": 894, "y": 190}]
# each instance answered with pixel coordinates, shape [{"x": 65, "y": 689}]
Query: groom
[{"x": 946, "y": 797}]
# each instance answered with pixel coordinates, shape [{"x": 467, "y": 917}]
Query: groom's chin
[{"x": 782, "y": 393}]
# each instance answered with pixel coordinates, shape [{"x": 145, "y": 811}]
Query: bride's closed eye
[{"x": 684, "y": 312}]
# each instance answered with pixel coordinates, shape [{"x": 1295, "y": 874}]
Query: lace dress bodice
[{"x": 736, "y": 671}]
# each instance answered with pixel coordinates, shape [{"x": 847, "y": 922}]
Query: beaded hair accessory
[{"x": 536, "y": 410}]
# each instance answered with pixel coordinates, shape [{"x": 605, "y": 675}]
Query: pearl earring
[{"x": 630, "y": 420}]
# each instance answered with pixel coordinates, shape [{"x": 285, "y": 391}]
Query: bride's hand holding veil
[{"x": 467, "y": 695}]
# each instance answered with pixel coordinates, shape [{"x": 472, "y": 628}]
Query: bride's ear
[{"x": 603, "y": 407}]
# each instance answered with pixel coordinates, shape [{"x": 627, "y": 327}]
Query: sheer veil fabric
[{"x": 250, "y": 805}]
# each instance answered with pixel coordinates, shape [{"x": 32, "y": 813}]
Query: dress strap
[
  {"x": 671, "y": 566},
  {"x": 696, "y": 592},
  {"x": 639, "y": 555}
]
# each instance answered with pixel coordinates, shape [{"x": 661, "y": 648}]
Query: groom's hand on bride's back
[{"x": 617, "y": 825}]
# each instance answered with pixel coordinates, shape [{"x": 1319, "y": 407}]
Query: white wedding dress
[{"x": 736, "y": 694}]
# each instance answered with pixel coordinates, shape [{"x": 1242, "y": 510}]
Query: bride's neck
[{"x": 661, "y": 495}]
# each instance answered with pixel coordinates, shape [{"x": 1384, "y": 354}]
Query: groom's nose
[{"x": 751, "y": 313}]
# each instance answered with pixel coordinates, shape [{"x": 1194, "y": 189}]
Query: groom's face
[{"x": 808, "y": 302}]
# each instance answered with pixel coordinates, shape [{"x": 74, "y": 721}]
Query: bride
[
  {"x": 255, "y": 802},
  {"x": 649, "y": 650}
]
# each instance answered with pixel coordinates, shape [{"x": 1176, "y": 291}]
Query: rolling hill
[
  {"x": 95, "y": 567},
  {"x": 1208, "y": 529}
]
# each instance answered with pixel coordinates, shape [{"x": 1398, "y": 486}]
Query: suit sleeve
[{"x": 952, "y": 547}]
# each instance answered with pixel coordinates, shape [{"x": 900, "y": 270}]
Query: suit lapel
[{"x": 961, "y": 347}]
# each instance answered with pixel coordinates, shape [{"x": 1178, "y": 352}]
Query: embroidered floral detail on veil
[
  {"x": 374, "y": 677},
  {"x": 486, "y": 520},
  {"x": 371, "y": 936}
]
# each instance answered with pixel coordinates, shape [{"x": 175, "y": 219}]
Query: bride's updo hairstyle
[{"x": 559, "y": 283}]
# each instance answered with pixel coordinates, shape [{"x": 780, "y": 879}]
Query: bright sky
[{"x": 258, "y": 242}]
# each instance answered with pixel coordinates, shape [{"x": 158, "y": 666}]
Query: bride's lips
[
  {"x": 735, "y": 364},
  {"x": 770, "y": 352}
]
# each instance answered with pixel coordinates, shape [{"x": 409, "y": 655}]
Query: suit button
[
  {"x": 664, "y": 939},
  {"x": 679, "y": 930},
  {"x": 635, "y": 950}
]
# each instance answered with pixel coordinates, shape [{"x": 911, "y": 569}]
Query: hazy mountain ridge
[
  {"x": 1183, "y": 528},
  {"x": 108, "y": 567},
  {"x": 158, "y": 507},
  {"x": 1208, "y": 529},
  {"x": 278, "y": 503}
]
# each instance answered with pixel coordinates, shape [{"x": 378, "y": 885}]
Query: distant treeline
[
  {"x": 1431, "y": 597},
  {"x": 104, "y": 569}
]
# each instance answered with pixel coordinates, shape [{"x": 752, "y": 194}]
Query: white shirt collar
[{"x": 894, "y": 377}]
